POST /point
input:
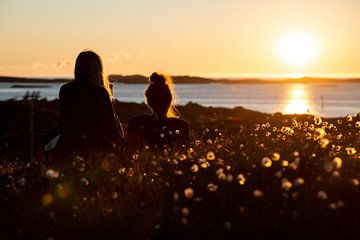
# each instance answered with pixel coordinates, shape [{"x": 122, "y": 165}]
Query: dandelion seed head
[
  {"x": 47, "y": 199},
  {"x": 266, "y": 162},
  {"x": 355, "y": 182},
  {"x": 308, "y": 135},
  {"x": 212, "y": 187},
  {"x": 84, "y": 181},
  {"x": 286, "y": 185},
  {"x": 62, "y": 191},
  {"x": 229, "y": 178},
  {"x": 284, "y": 163},
  {"x": 51, "y": 173},
  {"x": 227, "y": 226},
  {"x": 324, "y": 142},
  {"x": 210, "y": 156},
  {"x": 317, "y": 120},
  {"x": 189, "y": 192},
  {"x": 350, "y": 151},
  {"x": 194, "y": 168},
  {"x": 319, "y": 133},
  {"x": 337, "y": 162},
  {"x": 275, "y": 156},
  {"x": 241, "y": 179},
  {"x": 257, "y": 193},
  {"x": 176, "y": 196},
  {"x": 296, "y": 154},
  {"x": 349, "y": 118},
  {"x": 299, "y": 182},
  {"x": 185, "y": 211},
  {"x": 322, "y": 195},
  {"x": 336, "y": 174}
]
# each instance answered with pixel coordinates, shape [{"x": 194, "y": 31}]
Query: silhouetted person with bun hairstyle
[
  {"x": 87, "y": 119},
  {"x": 163, "y": 128}
]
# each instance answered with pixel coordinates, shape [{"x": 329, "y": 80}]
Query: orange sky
[{"x": 203, "y": 37}]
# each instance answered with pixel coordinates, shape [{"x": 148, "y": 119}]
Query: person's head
[
  {"x": 89, "y": 68},
  {"x": 160, "y": 95}
]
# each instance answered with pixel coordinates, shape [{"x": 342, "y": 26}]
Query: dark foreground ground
[{"x": 247, "y": 175}]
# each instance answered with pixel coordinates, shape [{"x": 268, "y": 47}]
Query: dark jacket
[
  {"x": 144, "y": 130},
  {"x": 87, "y": 118}
]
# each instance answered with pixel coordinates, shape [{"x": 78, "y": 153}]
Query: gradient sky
[{"x": 195, "y": 37}]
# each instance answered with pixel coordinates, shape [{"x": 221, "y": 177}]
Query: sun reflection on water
[{"x": 297, "y": 101}]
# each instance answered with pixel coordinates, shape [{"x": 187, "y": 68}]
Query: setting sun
[{"x": 297, "y": 48}]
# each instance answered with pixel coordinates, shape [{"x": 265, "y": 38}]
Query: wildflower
[
  {"x": 194, "y": 168},
  {"x": 51, "y": 173},
  {"x": 189, "y": 192},
  {"x": 319, "y": 133},
  {"x": 350, "y": 151},
  {"x": 85, "y": 181},
  {"x": 337, "y": 162},
  {"x": 241, "y": 179},
  {"x": 212, "y": 187},
  {"x": 349, "y": 118},
  {"x": 185, "y": 211},
  {"x": 284, "y": 163},
  {"x": 275, "y": 156},
  {"x": 322, "y": 195},
  {"x": 286, "y": 184},
  {"x": 176, "y": 196},
  {"x": 317, "y": 120},
  {"x": 266, "y": 162},
  {"x": 227, "y": 226},
  {"x": 62, "y": 191},
  {"x": 229, "y": 178},
  {"x": 324, "y": 142},
  {"x": 47, "y": 199},
  {"x": 257, "y": 193},
  {"x": 210, "y": 156},
  {"x": 355, "y": 182},
  {"x": 299, "y": 181}
]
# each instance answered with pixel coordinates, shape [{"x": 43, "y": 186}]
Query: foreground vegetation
[{"x": 246, "y": 175}]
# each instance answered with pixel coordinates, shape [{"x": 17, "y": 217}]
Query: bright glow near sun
[
  {"x": 297, "y": 100},
  {"x": 297, "y": 48}
]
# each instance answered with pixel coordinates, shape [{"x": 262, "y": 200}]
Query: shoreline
[{"x": 140, "y": 79}]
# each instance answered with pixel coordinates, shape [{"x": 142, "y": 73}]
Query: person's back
[
  {"x": 162, "y": 128},
  {"x": 86, "y": 117},
  {"x": 145, "y": 130}
]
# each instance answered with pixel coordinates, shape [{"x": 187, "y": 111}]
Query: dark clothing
[
  {"x": 87, "y": 118},
  {"x": 144, "y": 130}
]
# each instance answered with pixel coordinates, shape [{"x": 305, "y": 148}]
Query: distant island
[{"x": 140, "y": 79}]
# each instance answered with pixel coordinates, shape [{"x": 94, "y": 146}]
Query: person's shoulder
[
  {"x": 141, "y": 118},
  {"x": 66, "y": 88},
  {"x": 141, "y": 121},
  {"x": 178, "y": 122}
]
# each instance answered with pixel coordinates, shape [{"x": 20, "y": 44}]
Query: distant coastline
[{"x": 140, "y": 79}]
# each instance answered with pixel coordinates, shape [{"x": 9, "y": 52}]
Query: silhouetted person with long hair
[
  {"x": 162, "y": 128},
  {"x": 87, "y": 119}
]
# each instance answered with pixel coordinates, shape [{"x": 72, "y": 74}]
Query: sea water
[{"x": 329, "y": 100}]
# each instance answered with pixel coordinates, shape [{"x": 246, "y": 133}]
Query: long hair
[
  {"x": 160, "y": 96},
  {"x": 89, "y": 68}
]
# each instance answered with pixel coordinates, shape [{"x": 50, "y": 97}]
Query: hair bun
[{"x": 157, "y": 78}]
